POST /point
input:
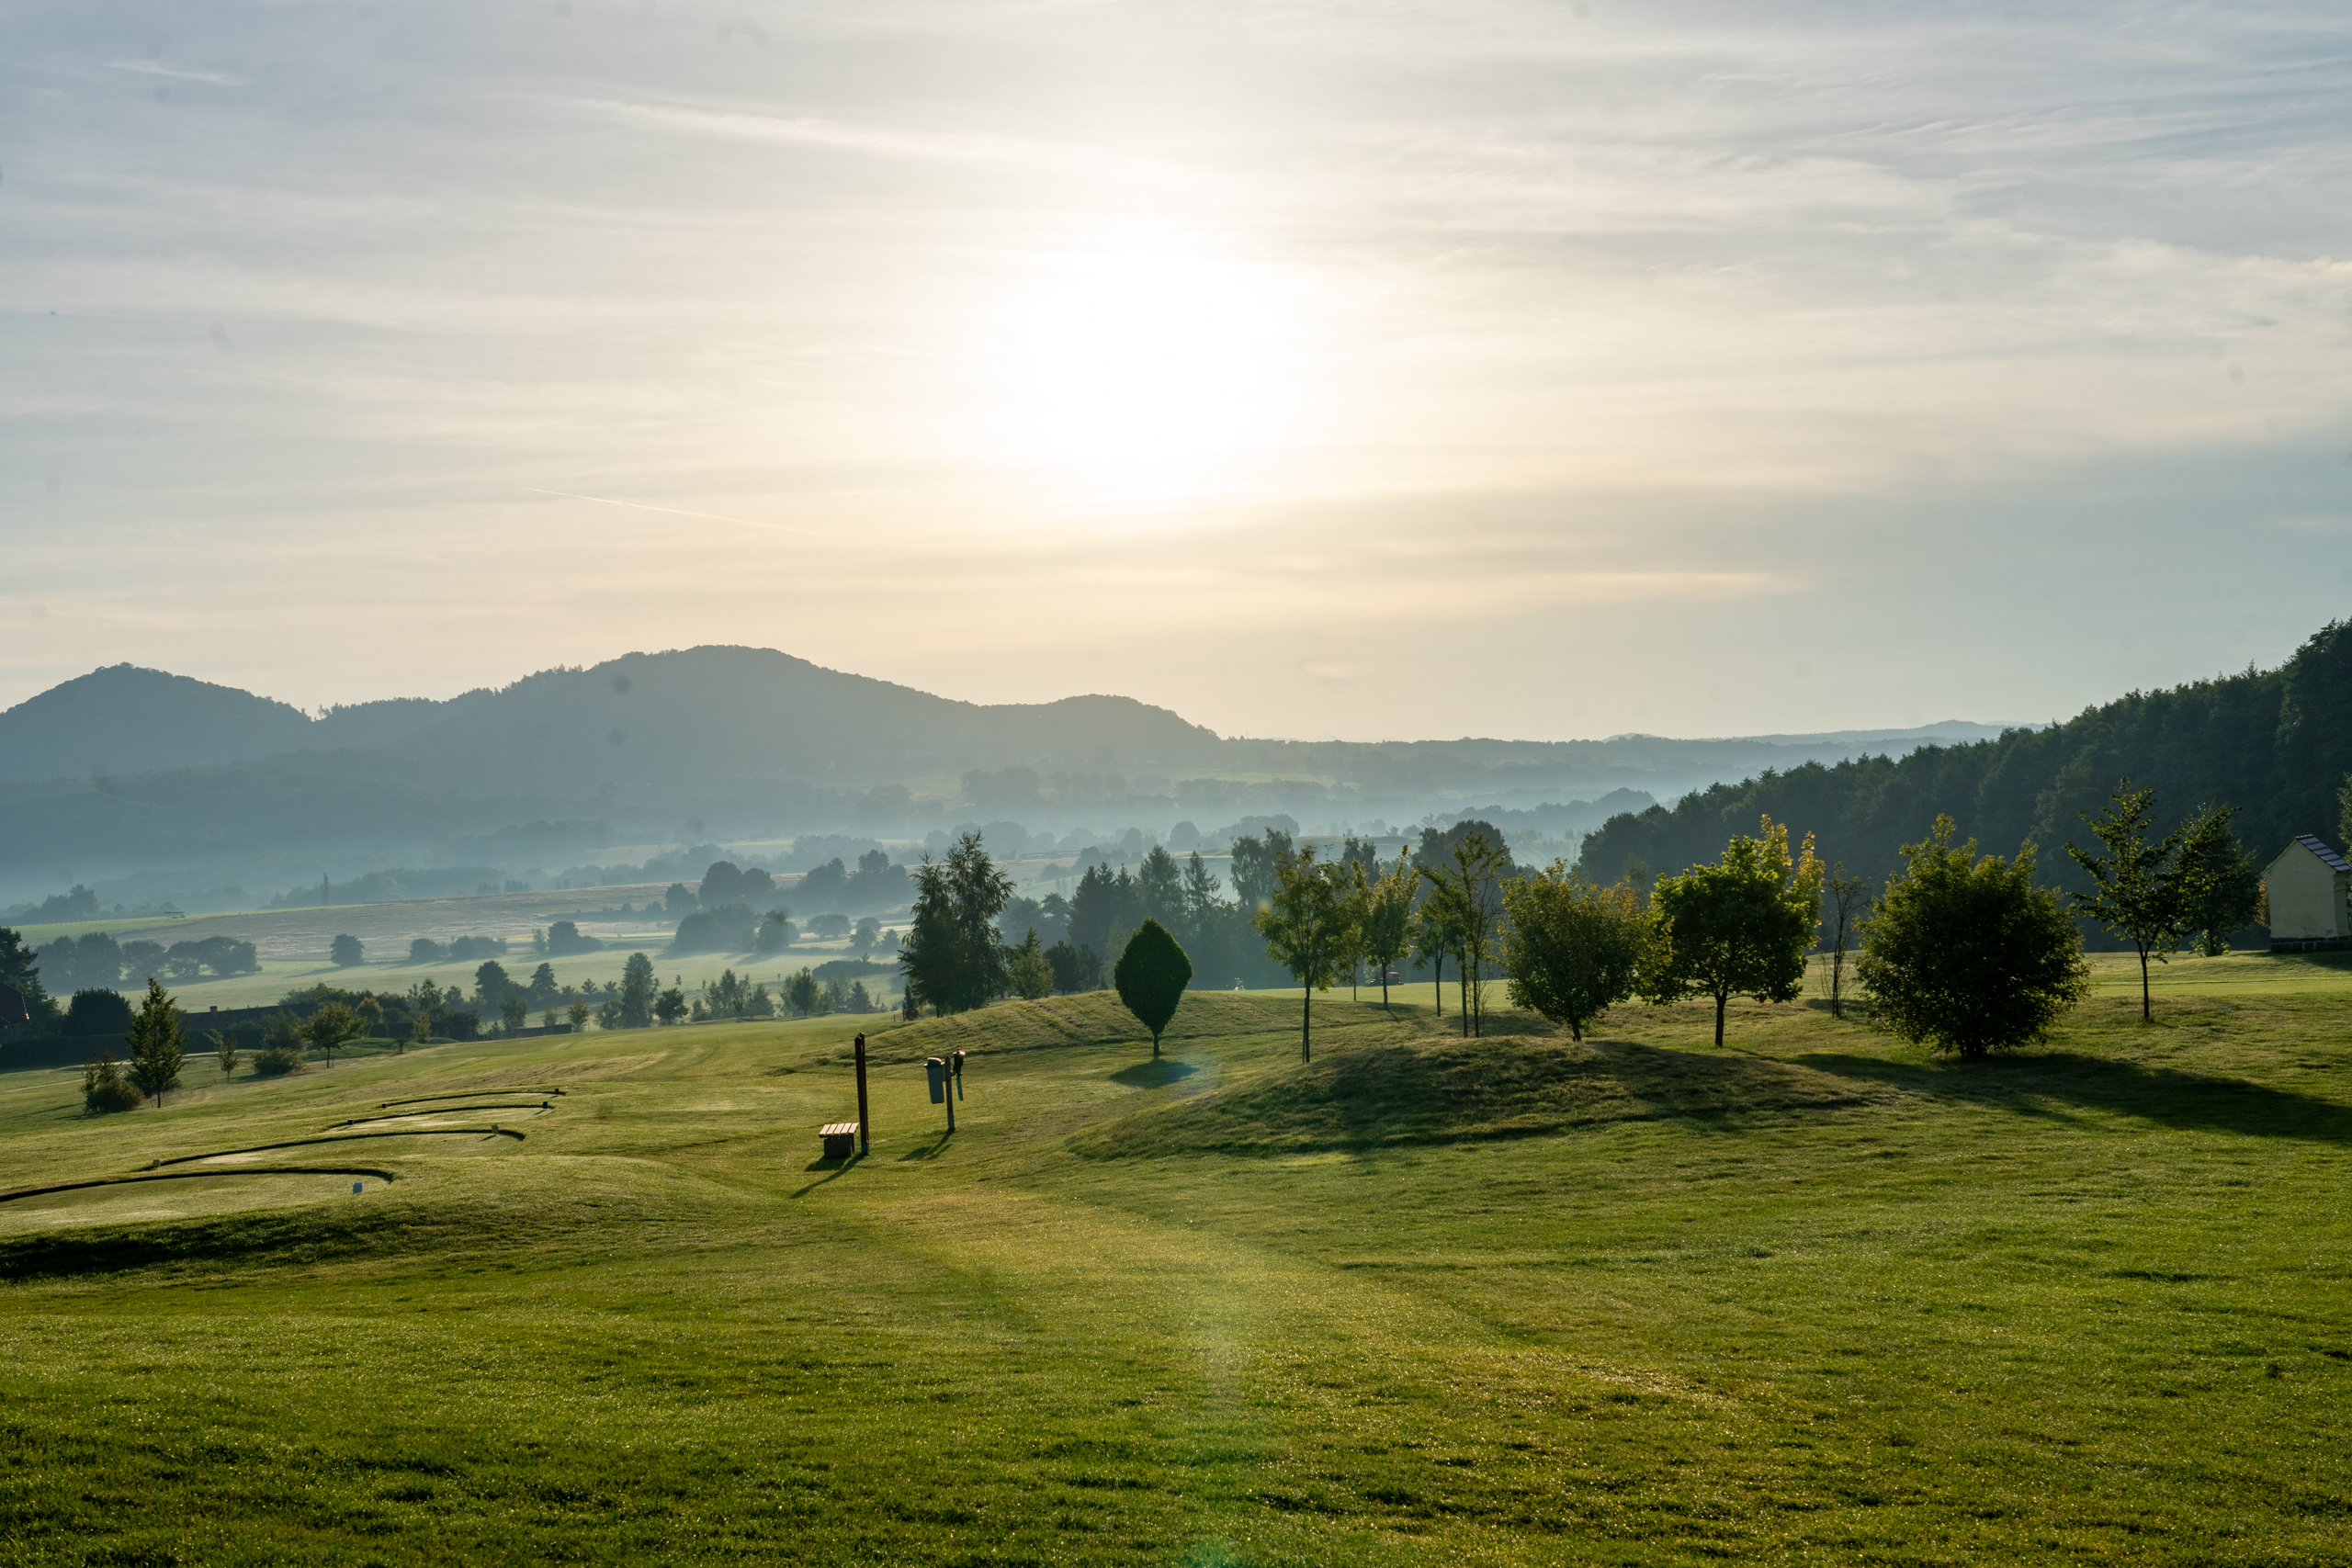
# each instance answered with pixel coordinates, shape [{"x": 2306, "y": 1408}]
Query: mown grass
[{"x": 1815, "y": 1297}]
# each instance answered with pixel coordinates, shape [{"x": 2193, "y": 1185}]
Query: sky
[{"x": 1369, "y": 369}]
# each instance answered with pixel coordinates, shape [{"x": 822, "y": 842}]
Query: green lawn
[{"x": 1813, "y": 1297}]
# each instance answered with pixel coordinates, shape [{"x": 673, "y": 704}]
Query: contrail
[{"x": 676, "y": 512}]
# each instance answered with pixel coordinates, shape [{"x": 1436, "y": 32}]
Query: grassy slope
[{"x": 1812, "y": 1296}]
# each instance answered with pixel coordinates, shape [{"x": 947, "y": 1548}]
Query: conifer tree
[
  {"x": 157, "y": 1042},
  {"x": 1150, "y": 976}
]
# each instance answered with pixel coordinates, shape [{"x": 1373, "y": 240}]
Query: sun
[{"x": 1150, "y": 364}]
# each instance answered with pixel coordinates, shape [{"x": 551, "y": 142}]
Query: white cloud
[
  {"x": 177, "y": 72},
  {"x": 1643, "y": 331}
]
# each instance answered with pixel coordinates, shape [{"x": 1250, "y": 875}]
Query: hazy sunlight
[{"x": 1147, "y": 363}]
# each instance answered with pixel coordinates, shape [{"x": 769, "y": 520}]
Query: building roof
[{"x": 2328, "y": 857}]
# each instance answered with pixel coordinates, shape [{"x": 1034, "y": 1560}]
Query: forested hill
[{"x": 2277, "y": 743}]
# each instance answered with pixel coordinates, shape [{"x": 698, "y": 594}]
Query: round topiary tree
[{"x": 1152, "y": 976}]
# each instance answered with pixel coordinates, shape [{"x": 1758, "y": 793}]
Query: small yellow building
[{"x": 2309, "y": 892}]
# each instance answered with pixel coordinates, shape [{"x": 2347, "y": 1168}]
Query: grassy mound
[{"x": 1439, "y": 1090}]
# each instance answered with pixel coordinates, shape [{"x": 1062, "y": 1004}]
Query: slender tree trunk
[
  {"x": 1437, "y": 983},
  {"x": 1305, "y": 1003},
  {"x": 1721, "y": 997},
  {"x": 1462, "y": 977},
  {"x": 1384, "y": 986},
  {"x": 2147, "y": 1014}
]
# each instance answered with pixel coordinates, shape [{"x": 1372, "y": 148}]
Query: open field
[{"x": 1814, "y": 1297}]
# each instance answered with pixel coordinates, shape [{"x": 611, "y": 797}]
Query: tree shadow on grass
[
  {"x": 1444, "y": 1092},
  {"x": 2039, "y": 1084},
  {"x": 1154, "y": 1074}
]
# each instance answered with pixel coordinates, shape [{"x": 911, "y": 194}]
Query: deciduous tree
[
  {"x": 1968, "y": 955},
  {"x": 346, "y": 951},
  {"x": 1307, "y": 924},
  {"x": 332, "y": 1027},
  {"x": 1465, "y": 892},
  {"x": 1849, "y": 900},
  {"x": 1740, "y": 927},
  {"x": 1574, "y": 950},
  {"x": 2142, "y": 888},
  {"x": 1386, "y": 929},
  {"x": 2220, "y": 884}
]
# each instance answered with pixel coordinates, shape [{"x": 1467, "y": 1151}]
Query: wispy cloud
[
  {"x": 950, "y": 147},
  {"x": 177, "y": 72}
]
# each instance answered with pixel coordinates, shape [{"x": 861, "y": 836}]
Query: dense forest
[{"x": 2277, "y": 743}]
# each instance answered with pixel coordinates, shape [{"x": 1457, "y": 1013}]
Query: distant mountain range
[{"x": 128, "y": 770}]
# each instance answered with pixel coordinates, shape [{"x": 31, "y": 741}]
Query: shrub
[
  {"x": 106, "y": 1087},
  {"x": 1967, "y": 955},
  {"x": 275, "y": 1061},
  {"x": 97, "y": 1011}
]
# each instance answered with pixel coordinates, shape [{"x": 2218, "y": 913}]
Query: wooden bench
[{"x": 841, "y": 1139}]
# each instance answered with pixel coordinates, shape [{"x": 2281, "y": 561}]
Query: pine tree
[
  {"x": 637, "y": 993},
  {"x": 1032, "y": 977},
  {"x": 157, "y": 1042}
]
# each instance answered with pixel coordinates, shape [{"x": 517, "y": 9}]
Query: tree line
[
  {"x": 2279, "y": 741},
  {"x": 1968, "y": 953}
]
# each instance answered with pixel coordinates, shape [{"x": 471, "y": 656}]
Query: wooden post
[{"x": 864, "y": 1145}]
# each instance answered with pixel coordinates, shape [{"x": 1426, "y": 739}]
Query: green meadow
[{"x": 1814, "y": 1297}]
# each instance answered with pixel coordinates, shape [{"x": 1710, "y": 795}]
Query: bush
[
  {"x": 275, "y": 1061},
  {"x": 1967, "y": 955},
  {"x": 98, "y": 1012},
  {"x": 107, "y": 1089}
]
